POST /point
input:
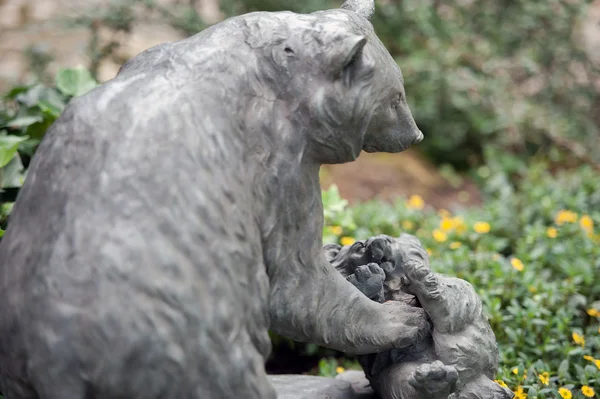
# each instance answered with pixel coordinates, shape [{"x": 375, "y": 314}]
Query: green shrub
[{"x": 489, "y": 71}]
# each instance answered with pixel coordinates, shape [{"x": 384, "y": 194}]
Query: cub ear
[{"x": 343, "y": 51}]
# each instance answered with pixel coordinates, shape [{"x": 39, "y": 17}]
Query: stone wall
[{"x": 37, "y": 24}]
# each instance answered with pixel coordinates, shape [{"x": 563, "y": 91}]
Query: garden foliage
[{"x": 532, "y": 252}]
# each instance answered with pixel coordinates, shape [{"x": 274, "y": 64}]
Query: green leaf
[
  {"x": 6, "y": 208},
  {"x": 532, "y": 392},
  {"x": 39, "y": 93},
  {"x": 13, "y": 173},
  {"x": 53, "y": 110},
  {"x": 12, "y": 94},
  {"x": 563, "y": 369},
  {"x": 38, "y": 130},
  {"x": 1, "y": 234},
  {"x": 75, "y": 81},
  {"x": 24, "y": 121},
  {"x": 8, "y": 148},
  {"x": 28, "y": 147}
]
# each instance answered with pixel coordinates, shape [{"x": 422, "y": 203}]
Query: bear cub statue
[
  {"x": 460, "y": 358},
  {"x": 172, "y": 216}
]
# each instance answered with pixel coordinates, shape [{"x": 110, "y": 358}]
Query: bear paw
[
  {"x": 369, "y": 280},
  {"x": 434, "y": 380}
]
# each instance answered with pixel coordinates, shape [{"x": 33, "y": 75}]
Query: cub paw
[
  {"x": 434, "y": 380},
  {"x": 380, "y": 248},
  {"x": 421, "y": 281},
  {"x": 393, "y": 253},
  {"x": 369, "y": 280}
]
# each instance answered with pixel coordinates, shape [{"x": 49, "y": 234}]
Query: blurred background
[{"x": 504, "y": 190}]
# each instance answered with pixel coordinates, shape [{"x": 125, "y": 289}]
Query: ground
[{"x": 386, "y": 176}]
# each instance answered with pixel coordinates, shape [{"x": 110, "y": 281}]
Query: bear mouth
[{"x": 399, "y": 148}]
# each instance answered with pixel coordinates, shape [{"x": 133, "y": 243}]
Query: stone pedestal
[{"x": 348, "y": 385}]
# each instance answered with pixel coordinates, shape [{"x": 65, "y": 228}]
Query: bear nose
[{"x": 419, "y": 137}]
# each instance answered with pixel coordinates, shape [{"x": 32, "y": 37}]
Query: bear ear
[
  {"x": 364, "y": 8},
  {"x": 343, "y": 52}
]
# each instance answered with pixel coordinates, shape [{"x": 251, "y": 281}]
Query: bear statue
[
  {"x": 460, "y": 358},
  {"x": 172, "y": 216}
]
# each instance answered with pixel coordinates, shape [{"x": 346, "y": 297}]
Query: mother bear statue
[{"x": 173, "y": 215}]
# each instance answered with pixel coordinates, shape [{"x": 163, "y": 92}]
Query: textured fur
[{"x": 173, "y": 214}]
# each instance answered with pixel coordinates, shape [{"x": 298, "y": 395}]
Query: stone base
[{"x": 348, "y": 385}]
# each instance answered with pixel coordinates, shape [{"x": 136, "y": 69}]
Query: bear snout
[{"x": 419, "y": 137}]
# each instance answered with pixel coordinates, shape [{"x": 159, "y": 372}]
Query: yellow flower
[
  {"x": 565, "y": 393},
  {"x": 415, "y": 202},
  {"x": 563, "y": 217},
  {"x": 544, "y": 378},
  {"x": 347, "y": 241},
  {"x": 447, "y": 224},
  {"x": 515, "y": 370},
  {"x": 551, "y": 232},
  {"x": 337, "y": 230},
  {"x": 482, "y": 227},
  {"x": 408, "y": 225},
  {"x": 593, "y": 312},
  {"x": 532, "y": 289},
  {"x": 587, "y": 391},
  {"x": 459, "y": 225},
  {"x": 339, "y": 370},
  {"x": 517, "y": 264},
  {"x": 591, "y": 359},
  {"x": 520, "y": 394},
  {"x": 587, "y": 224},
  {"x": 455, "y": 245},
  {"x": 439, "y": 235},
  {"x": 578, "y": 339},
  {"x": 501, "y": 383}
]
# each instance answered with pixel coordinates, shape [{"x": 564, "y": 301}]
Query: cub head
[{"x": 342, "y": 77}]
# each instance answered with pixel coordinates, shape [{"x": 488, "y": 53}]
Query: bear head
[
  {"x": 357, "y": 101},
  {"x": 340, "y": 85}
]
